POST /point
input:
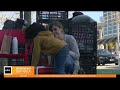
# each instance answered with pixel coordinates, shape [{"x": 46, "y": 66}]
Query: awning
[
  {"x": 107, "y": 40},
  {"x": 102, "y": 41},
  {"x": 113, "y": 39}
]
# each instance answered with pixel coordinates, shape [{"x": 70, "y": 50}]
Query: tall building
[
  {"x": 111, "y": 27},
  {"x": 110, "y": 19}
]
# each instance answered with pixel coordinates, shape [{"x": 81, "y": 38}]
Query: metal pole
[
  {"x": 118, "y": 38},
  {"x": 118, "y": 45},
  {"x": 21, "y": 14},
  {"x": 27, "y": 16}
]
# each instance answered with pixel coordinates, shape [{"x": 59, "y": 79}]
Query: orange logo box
[{"x": 20, "y": 71}]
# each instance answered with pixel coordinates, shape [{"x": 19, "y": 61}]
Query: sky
[{"x": 93, "y": 14}]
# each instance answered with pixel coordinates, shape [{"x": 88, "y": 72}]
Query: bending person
[{"x": 45, "y": 42}]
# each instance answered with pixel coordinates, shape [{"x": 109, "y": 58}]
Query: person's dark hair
[
  {"x": 9, "y": 24},
  {"x": 55, "y": 23},
  {"x": 77, "y": 13},
  {"x": 20, "y": 23},
  {"x": 33, "y": 30}
]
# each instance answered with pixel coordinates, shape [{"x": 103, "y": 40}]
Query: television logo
[{"x": 8, "y": 70}]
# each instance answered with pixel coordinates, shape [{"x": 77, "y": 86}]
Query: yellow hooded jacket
[{"x": 45, "y": 42}]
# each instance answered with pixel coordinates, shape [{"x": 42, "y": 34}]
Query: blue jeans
[
  {"x": 60, "y": 59},
  {"x": 69, "y": 65}
]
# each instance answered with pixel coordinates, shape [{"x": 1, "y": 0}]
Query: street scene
[
  {"x": 61, "y": 42},
  {"x": 108, "y": 46}
]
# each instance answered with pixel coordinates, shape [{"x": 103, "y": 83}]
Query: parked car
[{"x": 104, "y": 57}]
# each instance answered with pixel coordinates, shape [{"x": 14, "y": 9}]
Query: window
[
  {"x": 109, "y": 17},
  {"x": 109, "y": 32},
  {"x": 109, "y": 13},
  {"x": 114, "y": 30},
  {"x": 105, "y": 25},
  {"x": 113, "y": 16},
  {"x": 105, "y": 18},
  {"x": 105, "y": 29},
  {"x": 109, "y": 28},
  {"x": 114, "y": 27},
  {"x": 114, "y": 23},
  {"x": 105, "y": 33},
  {"x": 109, "y": 21},
  {"x": 110, "y": 24},
  {"x": 104, "y": 13},
  {"x": 105, "y": 21}
]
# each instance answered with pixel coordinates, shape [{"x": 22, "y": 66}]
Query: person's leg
[
  {"x": 59, "y": 60},
  {"x": 69, "y": 65}
]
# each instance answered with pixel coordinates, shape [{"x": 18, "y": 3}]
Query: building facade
[
  {"x": 110, "y": 19},
  {"x": 111, "y": 30}
]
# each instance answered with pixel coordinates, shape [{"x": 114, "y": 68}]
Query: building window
[
  {"x": 105, "y": 15},
  {"x": 109, "y": 17},
  {"x": 105, "y": 18},
  {"x": 105, "y": 21},
  {"x": 105, "y": 33},
  {"x": 113, "y": 16},
  {"x": 105, "y": 29},
  {"x": 109, "y": 13},
  {"x": 109, "y": 21},
  {"x": 114, "y": 23},
  {"x": 109, "y": 32},
  {"x": 114, "y": 27},
  {"x": 109, "y": 28},
  {"x": 110, "y": 24},
  {"x": 105, "y": 25},
  {"x": 114, "y": 30}
]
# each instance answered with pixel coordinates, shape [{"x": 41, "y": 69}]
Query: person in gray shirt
[{"x": 72, "y": 62}]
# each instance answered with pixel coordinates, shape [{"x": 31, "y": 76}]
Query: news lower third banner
[{"x": 29, "y": 72}]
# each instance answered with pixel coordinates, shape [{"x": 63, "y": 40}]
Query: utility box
[{"x": 84, "y": 29}]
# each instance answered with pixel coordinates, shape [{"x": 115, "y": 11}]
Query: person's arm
[
  {"x": 36, "y": 52},
  {"x": 74, "y": 53},
  {"x": 74, "y": 50}
]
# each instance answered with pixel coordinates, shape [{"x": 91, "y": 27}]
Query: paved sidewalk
[{"x": 109, "y": 70}]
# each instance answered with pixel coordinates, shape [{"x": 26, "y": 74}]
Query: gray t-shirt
[{"x": 73, "y": 46}]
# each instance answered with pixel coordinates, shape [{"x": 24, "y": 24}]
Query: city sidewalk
[
  {"x": 114, "y": 67},
  {"x": 109, "y": 70}
]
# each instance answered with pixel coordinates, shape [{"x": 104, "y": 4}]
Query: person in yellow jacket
[{"x": 45, "y": 42}]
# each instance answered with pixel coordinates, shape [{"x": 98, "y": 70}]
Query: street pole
[
  {"x": 118, "y": 38},
  {"x": 21, "y": 14},
  {"x": 27, "y": 17}
]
